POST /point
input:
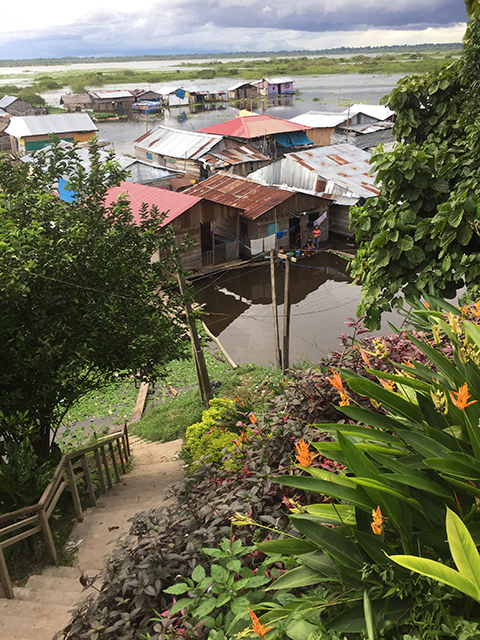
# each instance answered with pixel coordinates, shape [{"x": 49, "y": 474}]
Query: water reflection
[{"x": 239, "y": 307}]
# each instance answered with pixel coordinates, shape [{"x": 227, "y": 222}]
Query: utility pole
[
  {"x": 278, "y": 354},
  {"x": 286, "y": 317},
  {"x": 200, "y": 365}
]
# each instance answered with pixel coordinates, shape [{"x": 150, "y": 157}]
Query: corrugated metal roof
[
  {"x": 379, "y": 111},
  {"x": 320, "y": 119},
  {"x": 234, "y": 191},
  {"x": 6, "y": 101},
  {"x": 279, "y": 80},
  {"x": 254, "y": 126},
  {"x": 243, "y": 83},
  {"x": 230, "y": 152},
  {"x": 171, "y": 201},
  {"x": 343, "y": 170},
  {"x": 189, "y": 145},
  {"x": 369, "y": 140},
  {"x": 21, "y": 126},
  {"x": 111, "y": 94}
]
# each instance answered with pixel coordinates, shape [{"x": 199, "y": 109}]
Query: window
[
  {"x": 243, "y": 230},
  {"x": 272, "y": 228},
  {"x": 149, "y": 156}
]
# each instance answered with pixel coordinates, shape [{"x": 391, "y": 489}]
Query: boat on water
[{"x": 146, "y": 106}]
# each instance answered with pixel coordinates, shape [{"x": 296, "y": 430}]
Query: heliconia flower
[
  {"x": 336, "y": 381},
  {"x": 365, "y": 358},
  {"x": 427, "y": 306},
  {"x": 344, "y": 400},
  {"x": 465, "y": 311},
  {"x": 476, "y": 309},
  {"x": 388, "y": 384},
  {"x": 253, "y": 418},
  {"x": 304, "y": 457},
  {"x": 377, "y": 524},
  {"x": 460, "y": 397},
  {"x": 258, "y": 628},
  {"x": 241, "y": 520}
]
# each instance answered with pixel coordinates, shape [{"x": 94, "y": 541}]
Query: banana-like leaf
[
  {"x": 378, "y": 485},
  {"x": 290, "y": 546},
  {"x": 390, "y": 399},
  {"x": 442, "y": 363},
  {"x": 333, "y": 513},
  {"x": 452, "y": 467},
  {"x": 339, "y": 491},
  {"x": 462, "y": 546},
  {"x": 417, "y": 385},
  {"x": 374, "y": 419},
  {"x": 363, "y": 433},
  {"x": 420, "y": 482},
  {"x": 439, "y": 572},
  {"x": 299, "y": 577},
  {"x": 427, "y": 447}
]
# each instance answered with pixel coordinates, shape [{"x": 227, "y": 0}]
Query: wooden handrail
[{"x": 66, "y": 474}]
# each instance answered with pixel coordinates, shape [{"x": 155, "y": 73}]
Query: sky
[{"x": 57, "y": 28}]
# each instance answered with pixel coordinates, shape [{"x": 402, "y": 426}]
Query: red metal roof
[
  {"x": 254, "y": 127},
  {"x": 227, "y": 189},
  {"x": 171, "y": 201}
]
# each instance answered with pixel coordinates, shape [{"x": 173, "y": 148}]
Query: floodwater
[{"x": 238, "y": 304}]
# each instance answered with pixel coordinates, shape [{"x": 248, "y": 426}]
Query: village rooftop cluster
[{"x": 240, "y": 187}]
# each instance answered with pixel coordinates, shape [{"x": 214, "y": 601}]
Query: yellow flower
[
  {"x": 436, "y": 334},
  {"x": 344, "y": 400},
  {"x": 460, "y": 397},
  {"x": 388, "y": 384},
  {"x": 377, "y": 524},
  {"x": 240, "y": 520},
  {"x": 304, "y": 457}
]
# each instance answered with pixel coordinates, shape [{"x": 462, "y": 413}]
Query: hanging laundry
[
  {"x": 280, "y": 234},
  {"x": 256, "y": 246},
  {"x": 321, "y": 219},
  {"x": 180, "y": 94},
  {"x": 269, "y": 242}
]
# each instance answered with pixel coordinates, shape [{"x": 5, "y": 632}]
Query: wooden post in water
[
  {"x": 200, "y": 365},
  {"x": 278, "y": 354},
  {"x": 286, "y": 317}
]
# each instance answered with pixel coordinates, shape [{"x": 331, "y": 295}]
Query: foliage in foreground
[
  {"x": 76, "y": 291},
  {"x": 422, "y": 232}
]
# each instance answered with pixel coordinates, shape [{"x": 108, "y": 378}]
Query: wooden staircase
[{"x": 41, "y": 608}]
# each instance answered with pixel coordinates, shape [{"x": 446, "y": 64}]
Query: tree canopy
[
  {"x": 81, "y": 300},
  {"x": 423, "y": 231}
]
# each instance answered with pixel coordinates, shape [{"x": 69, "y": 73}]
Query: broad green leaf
[
  {"x": 439, "y": 572},
  {"x": 452, "y": 467},
  {"x": 332, "y": 489},
  {"x": 390, "y": 399},
  {"x": 198, "y": 573},
  {"x": 425, "y": 446},
  {"x": 362, "y": 432},
  {"x": 301, "y": 630},
  {"x": 299, "y": 577},
  {"x": 206, "y": 607},
  {"x": 334, "y": 513},
  {"x": 420, "y": 482},
  {"x": 375, "y": 419},
  {"x": 464, "y": 551},
  {"x": 177, "y": 589},
  {"x": 320, "y": 562},
  {"x": 383, "y": 488},
  {"x": 179, "y": 605},
  {"x": 443, "y": 364},
  {"x": 286, "y": 546},
  {"x": 333, "y": 541}
]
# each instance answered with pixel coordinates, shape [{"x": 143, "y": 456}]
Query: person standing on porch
[{"x": 316, "y": 236}]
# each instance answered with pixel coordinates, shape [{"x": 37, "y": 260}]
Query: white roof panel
[
  {"x": 176, "y": 143},
  {"x": 279, "y": 80},
  {"x": 378, "y": 111},
  {"x": 320, "y": 119},
  {"x": 21, "y": 126}
]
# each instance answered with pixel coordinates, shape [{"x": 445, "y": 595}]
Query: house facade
[
  {"x": 113, "y": 101},
  {"x": 18, "y": 107},
  {"x": 275, "y": 86},
  {"x": 30, "y": 133},
  {"x": 243, "y": 91}
]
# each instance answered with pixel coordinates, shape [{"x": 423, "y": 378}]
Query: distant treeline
[{"x": 404, "y": 48}]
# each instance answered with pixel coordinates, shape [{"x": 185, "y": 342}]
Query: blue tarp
[{"x": 292, "y": 139}]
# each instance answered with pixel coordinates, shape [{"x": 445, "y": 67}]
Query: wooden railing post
[
  {"x": 5, "y": 577},
  {"x": 120, "y": 453},
  {"x": 114, "y": 461},
  {"x": 47, "y": 534},
  {"x": 98, "y": 463},
  {"x": 73, "y": 488},
  {"x": 88, "y": 480},
  {"x": 106, "y": 467}
]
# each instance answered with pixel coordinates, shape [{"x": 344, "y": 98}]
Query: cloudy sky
[{"x": 54, "y": 28}]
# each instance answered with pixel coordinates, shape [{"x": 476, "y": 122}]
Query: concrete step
[
  {"x": 20, "y": 618},
  {"x": 70, "y": 572},
  {"x": 46, "y": 582},
  {"x": 68, "y": 598}
]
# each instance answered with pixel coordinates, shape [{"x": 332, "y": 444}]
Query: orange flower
[
  {"x": 377, "y": 524},
  {"x": 465, "y": 311},
  {"x": 344, "y": 400},
  {"x": 426, "y": 304},
  {"x": 336, "y": 381},
  {"x": 476, "y": 309},
  {"x": 388, "y": 384},
  {"x": 460, "y": 397},
  {"x": 365, "y": 358},
  {"x": 253, "y": 419},
  {"x": 258, "y": 628},
  {"x": 304, "y": 456},
  {"x": 408, "y": 363}
]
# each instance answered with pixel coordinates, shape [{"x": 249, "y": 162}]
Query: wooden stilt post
[
  {"x": 201, "y": 367},
  {"x": 278, "y": 355},
  {"x": 5, "y": 577},
  {"x": 286, "y": 317}
]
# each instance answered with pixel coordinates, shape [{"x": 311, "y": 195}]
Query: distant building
[
  {"x": 76, "y": 101},
  {"x": 275, "y": 86},
  {"x": 243, "y": 91},
  {"x": 18, "y": 107},
  {"x": 322, "y": 123},
  {"x": 112, "y": 101},
  {"x": 30, "y": 133}
]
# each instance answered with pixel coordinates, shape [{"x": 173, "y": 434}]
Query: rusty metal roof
[
  {"x": 230, "y": 152},
  {"x": 342, "y": 169},
  {"x": 175, "y": 143},
  {"x": 234, "y": 191}
]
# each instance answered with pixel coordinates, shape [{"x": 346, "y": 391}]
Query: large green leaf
[
  {"x": 301, "y": 630},
  {"x": 287, "y": 546},
  {"x": 389, "y": 399},
  {"x": 333, "y": 513},
  {"x": 420, "y": 482},
  {"x": 443, "y": 364},
  {"x": 464, "y": 551},
  {"x": 363, "y": 432},
  {"x": 339, "y": 491},
  {"x": 425, "y": 446},
  {"x": 332, "y": 541},
  {"x": 377, "y": 485},
  {"x": 375, "y": 419},
  {"x": 299, "y": 577},
  {"x": 439, "y": 572},
  {"x": 452, "y": 467}
]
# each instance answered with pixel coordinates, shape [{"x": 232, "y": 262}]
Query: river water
[{"x": 238, "y": 302}]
